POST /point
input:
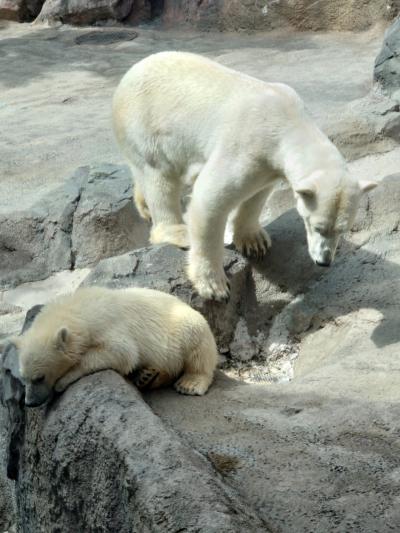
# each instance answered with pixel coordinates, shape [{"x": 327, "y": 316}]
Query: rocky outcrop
[
  {"x": 87, "y": 12},
  {"x": 90, "y": 217},
  {"x": 20, "y": 10},
  {"x": 163, "y": 268},
  {"x": 98, "y": 459},
  {"x": 99, "y": 445},
  {"x": 271, "y": 14},
  {"x": 387, "y": 64}
]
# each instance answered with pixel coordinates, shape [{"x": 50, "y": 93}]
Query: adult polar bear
[{"x": 182, "y": 119}]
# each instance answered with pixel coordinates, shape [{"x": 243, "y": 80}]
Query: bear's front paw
[
  {"x": 213, "y": 287},
  {"x": 252, "y": 245}
]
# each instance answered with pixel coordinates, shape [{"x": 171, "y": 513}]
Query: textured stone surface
[
  {"x": 84, "y": 12},
  {"x": 319, "y": 453},
  {"x": 20, "y": 10},
  {"x": 387, "y": 64},
  {"x": 12, "y": 428},
  {"x": 98, "y": 459},
  {"x": 271, "y": 14},
  {"x": 90, "y": 217},
  {"x": 163, "y": 268}
]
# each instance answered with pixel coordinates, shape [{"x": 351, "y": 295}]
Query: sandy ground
[{"x": 55, "y": 95}]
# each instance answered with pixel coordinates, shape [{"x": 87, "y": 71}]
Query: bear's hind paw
[{"x": 192, "y": 384}]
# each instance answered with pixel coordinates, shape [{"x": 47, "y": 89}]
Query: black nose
[{"x": 321, "y": 264}]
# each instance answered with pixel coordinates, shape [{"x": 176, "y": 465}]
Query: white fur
[
  {"x": 127, "y": 329},
  {"x": 182, "y": 119}
]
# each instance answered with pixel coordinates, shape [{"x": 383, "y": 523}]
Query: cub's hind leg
[{"x": 199, "y": 364}]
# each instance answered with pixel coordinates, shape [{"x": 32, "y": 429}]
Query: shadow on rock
[{"x": 365, "y": 274}]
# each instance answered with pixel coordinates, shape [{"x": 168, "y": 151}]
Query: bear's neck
[{"x": 306, "y": 150}]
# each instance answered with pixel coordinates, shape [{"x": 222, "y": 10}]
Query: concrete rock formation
[
  {"x": 163, "y": 268},
  {"x": 90, "y": 217},
  {"x": 20, "y": 10},
  {"x": 333, "y": 426},
  {"x": 354, "y": 15},
  {"x": 99, "y": 459},
  {"x": 86, "y": 12},
  {"x": 387, "y": 64}
]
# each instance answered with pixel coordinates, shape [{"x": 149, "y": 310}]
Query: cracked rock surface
[
  {"x": 99, "y": 460},
  {"x": 89, "y": 217},
  {"x": 387, "y": 63},
  {"x": 319, "y": 453}
]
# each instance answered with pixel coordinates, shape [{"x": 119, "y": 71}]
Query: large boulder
[
  {"x": 99, "y": 460},
  {"x": 90, "y": 217},
  {"x": 387, "y": 63},
  {"x": 163, "y": 268},
  {"x": 20, "y": 10},
  {"x": 299, "y": 14},
  {"x": 91, "y": 11}
]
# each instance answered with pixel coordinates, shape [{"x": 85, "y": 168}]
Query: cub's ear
[
  {"x": 307, "y": 189},
  {"x": 366, "y": 186},
  {"x": 62, "y": 339}
]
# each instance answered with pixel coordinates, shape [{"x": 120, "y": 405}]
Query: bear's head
[
  {"x": 328, "y": 203},
  {"x": 43, "y": 357}
]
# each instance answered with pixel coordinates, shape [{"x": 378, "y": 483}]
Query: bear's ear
[
  {"x": 307, "y": 189},
  {"x": 366, "y": 186},
  {"x": 62, "y": 339}
]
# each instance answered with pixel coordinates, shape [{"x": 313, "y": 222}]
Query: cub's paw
[
  {"x": 192, "y": 384},
  {"x": 175, "y": 234},
  {"x": 145, "y": 377},
  {"x": 253, "y": 245}
]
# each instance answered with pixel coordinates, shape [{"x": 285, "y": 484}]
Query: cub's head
[
  {"x": 43, "y": 359},
  {"x": 328, "y": 206}
]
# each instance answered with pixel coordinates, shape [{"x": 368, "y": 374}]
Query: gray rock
[
  {"x": 84, "y": 12},
  {"x": 387, "y": 63},
  {"x": 353, "y": 15},
  {"x": 98, "y": 459},
  {"x": 318, "y": 454},
  {"x": 163, "y": 268},
  {"x": 20, "y": 10},
  {"x": 90, "y": 217}
]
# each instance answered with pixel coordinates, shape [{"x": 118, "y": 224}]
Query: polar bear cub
[
  {"x": 182, "y": 119},
  {"x": 123, "y": 329}
]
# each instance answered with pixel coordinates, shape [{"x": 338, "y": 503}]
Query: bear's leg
[
  {"x": 95, "y": 360},
  {"x": 163, "y": 198},
  {"x": 140, "y": 203},
  {"x": 249, "y": 237},
  {"x": 217, "y": 191},
  {"x": 199, "y": 366}
]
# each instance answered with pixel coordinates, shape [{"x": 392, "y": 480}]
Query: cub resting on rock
[
  {"x": 124, "y": 330},
  {"x": 183, "y": 119}
]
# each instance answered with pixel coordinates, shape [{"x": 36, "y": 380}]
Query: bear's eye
[
  {"x": 38, "y": 380},
  {"x": 321, "y": 230}
]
